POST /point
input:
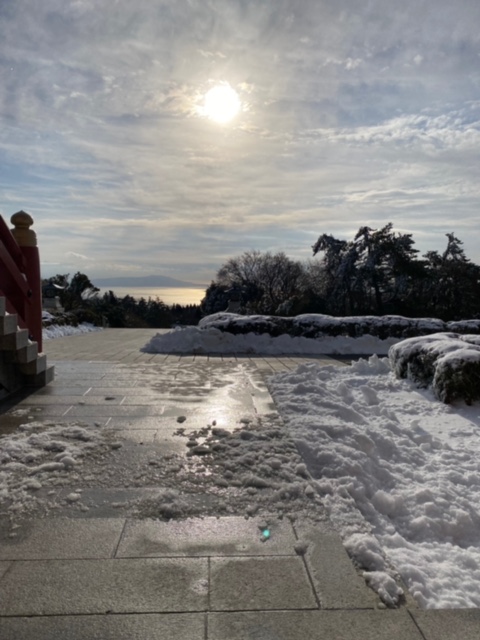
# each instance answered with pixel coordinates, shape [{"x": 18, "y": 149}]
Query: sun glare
[{"x": 221, "y": 103}]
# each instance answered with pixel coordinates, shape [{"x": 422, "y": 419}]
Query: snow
[
  {"x": 448, "y": 362},
  {"x": 59, "y": 331},
  {"x": 40, "y": 456},
  {"x": 397, "y": 471},
  {"x": 211, "y": 340}
]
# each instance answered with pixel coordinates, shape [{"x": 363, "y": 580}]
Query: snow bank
[
  {"x": 58, "y": 331},
  {"x": 448, "y": 362},
  {"x": 399, "y": 474},
  {"x": 211, "y": 340}
]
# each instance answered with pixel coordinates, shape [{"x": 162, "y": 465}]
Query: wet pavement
[{"x": 186, "y": 514}]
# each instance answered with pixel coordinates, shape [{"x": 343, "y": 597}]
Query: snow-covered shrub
[
  {"x": 464, "y": 326},
  {"x": 449, "y": 363},
  {"x": 315, "y": 325}
]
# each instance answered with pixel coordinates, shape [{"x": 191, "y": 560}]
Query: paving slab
[
  {"x": 448, "y": 624},
  {"x": 121, "y": 391},
  {"x": 260, "y": 583},
  {"x": 52, "y": 410},
  {"x": 60, "y": 587},
  {"x": 187, "y": 626},
  {"x": 55, "y": 538},
  {"x": 81, "y": 411},
  {"x": 51, "y": 390},
  {"x": 227, "y": 536},
  {"x": 4, "y": 566},
  {"x": 103, "y": 502},
  {"x": 145, "y": 436},
  {"x": 313, "y": 625},
  {"x": 335, "y": 579},
  {"x": 78, "y": 400}
]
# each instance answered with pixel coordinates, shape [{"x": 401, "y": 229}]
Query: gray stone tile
[
  {"x": 80, "y": 400},
  {"x": 449, "y": 624},
  {"x": 147, "y": 399},
  {"x": 139, "y": 436},
  {"x": 115, "y": 410},
  {"x": 3, "y": 569},
  {"x": 313, "y": 625},
  {"x": 104, "y": 502},
  {"x": 260, "y": 583},
  {"x": 55, "y": 391},
  {"x": 61, "y": 587},
  {"x": 229, "y": 536},
  {"x": 53, "y": 410},
  {"x": 335, "y": 579},
  {"x": 122, "y": 391},
  {"x": 61, "y": 383},
  {"x": 227, "y": 417},
  {"x": 185, "y": 626},
  {"x": 79, "y": 373},
  {"x": 56, "y": 538},
  {"x": 144, "y": 422}
]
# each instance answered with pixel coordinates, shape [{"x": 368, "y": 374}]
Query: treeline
[
  {"x": 378, "y": 272},
  {"x": 81, "y": 299}
]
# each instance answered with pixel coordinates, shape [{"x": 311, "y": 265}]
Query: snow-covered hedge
[
  {"x": 318, "y": 325},
  {"x": 449, "y": 363}
]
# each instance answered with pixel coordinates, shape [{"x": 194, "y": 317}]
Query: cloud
[
  {"x": 352, "y": 112},
  {"x": 77, "y": 256}
]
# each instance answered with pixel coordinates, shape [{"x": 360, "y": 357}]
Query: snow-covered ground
[
  {"x": 397, "y": 470},
  {"x": 36, "y": 459}
]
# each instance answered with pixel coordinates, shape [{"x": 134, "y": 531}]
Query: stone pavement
[{"x": 100, "y": 568}]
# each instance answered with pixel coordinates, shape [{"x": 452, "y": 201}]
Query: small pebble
[{"x": 301, "y": 548}]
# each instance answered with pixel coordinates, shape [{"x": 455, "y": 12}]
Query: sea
[{"x": 168, "y": 295}]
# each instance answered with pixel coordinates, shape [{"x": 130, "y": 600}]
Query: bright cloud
[{"x": 350, "y": 115}]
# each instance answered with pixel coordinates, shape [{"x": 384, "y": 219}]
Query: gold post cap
[{"x": 25, "y": 237}]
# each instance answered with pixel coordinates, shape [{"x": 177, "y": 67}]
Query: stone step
[
  {"x": 15, "y": 341},
  {"x": 26, "y": 354},
  {"x": 34, "y": 367},
  {"x": 8, "y": 324},
  {"x": 11, "y": 379},
  {"x": 40, "y": 379},
  {"x": 20, "y": 363}
]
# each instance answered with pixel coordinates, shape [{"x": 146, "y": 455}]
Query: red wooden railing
[{"x": 20, "y": 281}]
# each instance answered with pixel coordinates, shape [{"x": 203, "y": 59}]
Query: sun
[{"x": 221, "y": 103}]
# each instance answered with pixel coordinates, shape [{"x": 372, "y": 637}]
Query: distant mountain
[{"x": 145, "y": 281}]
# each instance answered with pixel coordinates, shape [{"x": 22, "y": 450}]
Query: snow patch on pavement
[{"x": 399, "y": 474}]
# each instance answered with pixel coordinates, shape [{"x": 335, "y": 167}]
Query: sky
[{"x": 351, "y": 113}]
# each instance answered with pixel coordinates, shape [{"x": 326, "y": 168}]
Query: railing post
[{"x": 26, "y": 239}]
